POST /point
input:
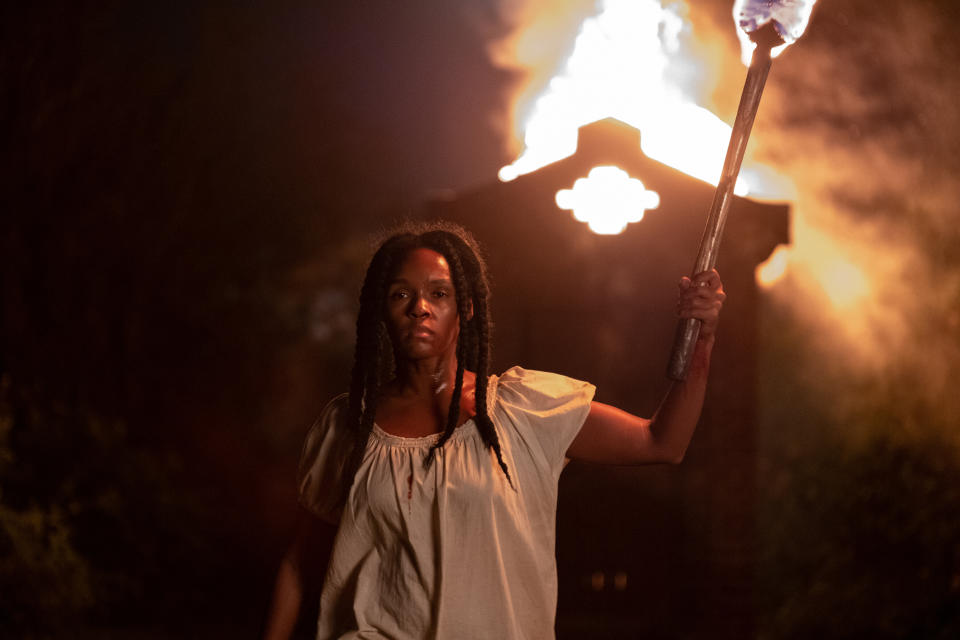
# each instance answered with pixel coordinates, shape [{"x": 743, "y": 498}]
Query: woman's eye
[
  {"x": 398, "y": 295},
  {"x": 440, "y": 294}
]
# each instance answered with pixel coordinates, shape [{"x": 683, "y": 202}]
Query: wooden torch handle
[{"x": 689, "y": 329}]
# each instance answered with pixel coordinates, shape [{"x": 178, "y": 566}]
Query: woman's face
[{"x": 421, "y": 307}]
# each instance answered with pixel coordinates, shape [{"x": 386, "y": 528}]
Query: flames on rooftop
[{"x": 624, "y": 64}]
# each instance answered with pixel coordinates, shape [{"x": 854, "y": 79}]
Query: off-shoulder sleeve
[
  {"x": 546, "y": 410},
  {"x": 322, "y": 462}
]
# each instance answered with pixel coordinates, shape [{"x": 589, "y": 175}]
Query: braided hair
[{"x": 373, "y": 359}]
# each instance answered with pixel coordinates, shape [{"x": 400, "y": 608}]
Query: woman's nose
[{"x": 419, "y": 307}]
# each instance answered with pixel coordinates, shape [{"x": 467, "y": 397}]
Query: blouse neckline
[{"x": 429, "y": 440}]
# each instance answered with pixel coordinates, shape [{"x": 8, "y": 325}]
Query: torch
[{"x": 766, "y": 27}]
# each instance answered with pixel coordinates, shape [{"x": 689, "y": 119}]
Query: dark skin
[
  {"x": 423, "y": 321},
  {"x": 424, "y": 325}
]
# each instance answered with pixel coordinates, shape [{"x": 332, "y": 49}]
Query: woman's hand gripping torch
[{"x": 769, "y": 26}]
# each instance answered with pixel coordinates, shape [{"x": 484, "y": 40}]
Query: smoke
[
  {"x": 859, "y": 115},
  {"x": 859, "y": 122}
]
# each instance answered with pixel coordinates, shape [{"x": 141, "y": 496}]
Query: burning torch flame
[{"x": 789, "y": 18}]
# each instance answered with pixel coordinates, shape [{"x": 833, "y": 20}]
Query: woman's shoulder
[
  {"x": 541, "y": 393},
  {"x": 545, "y": 412},
  {"x": 322, "y": 460},
  {"x": 329, "y": 427},
  {"x": 517, "y": 384},
  {"x": 335, "y": 409}
]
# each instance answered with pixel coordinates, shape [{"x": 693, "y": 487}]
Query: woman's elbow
[{"x": 673, "y": 455}]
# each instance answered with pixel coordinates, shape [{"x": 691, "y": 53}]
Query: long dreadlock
[{"x": 373, "y": 358}]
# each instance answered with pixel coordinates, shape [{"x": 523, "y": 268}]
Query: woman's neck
[
  {"x": 426, "y": 378},
  {"x": 417, "y": 401}
]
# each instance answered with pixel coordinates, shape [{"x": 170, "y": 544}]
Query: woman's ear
[{"x": 469, "y": 310}]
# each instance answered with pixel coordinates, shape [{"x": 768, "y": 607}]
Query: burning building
[{"x": 639, "y": 549}]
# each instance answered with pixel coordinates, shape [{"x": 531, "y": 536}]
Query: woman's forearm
[
  {"x": 286, "y": 601},
  {"x": 301, "y": 572},
  {"x": 613, "y": 436},
  {"x": 673, "y": 424}
]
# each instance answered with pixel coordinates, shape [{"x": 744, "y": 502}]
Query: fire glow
[
  {"x": 619, "y": 68},
  {"x": 843, "y": 282},
  {"x": 632, "y": 61},
  {"x": 773, "y": 268}
]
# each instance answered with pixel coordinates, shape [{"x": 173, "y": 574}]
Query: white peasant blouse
[{"x": 450, "y": 550}]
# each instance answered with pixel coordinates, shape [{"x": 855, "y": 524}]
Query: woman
[{"x": 429, "y": 492}]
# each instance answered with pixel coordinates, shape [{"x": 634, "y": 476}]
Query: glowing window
[{"x": 608, "y": 199}]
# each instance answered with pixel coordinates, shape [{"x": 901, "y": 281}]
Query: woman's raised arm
[{"x": 612, "y": 436}]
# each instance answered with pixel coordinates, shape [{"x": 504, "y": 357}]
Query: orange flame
[{"x": 619, "y": 68}]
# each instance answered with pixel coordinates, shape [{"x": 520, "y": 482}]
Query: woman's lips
[{"x": 421, "y": 332}]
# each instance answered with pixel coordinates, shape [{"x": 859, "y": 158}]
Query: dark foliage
[{"x": 862, "y": 540}]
